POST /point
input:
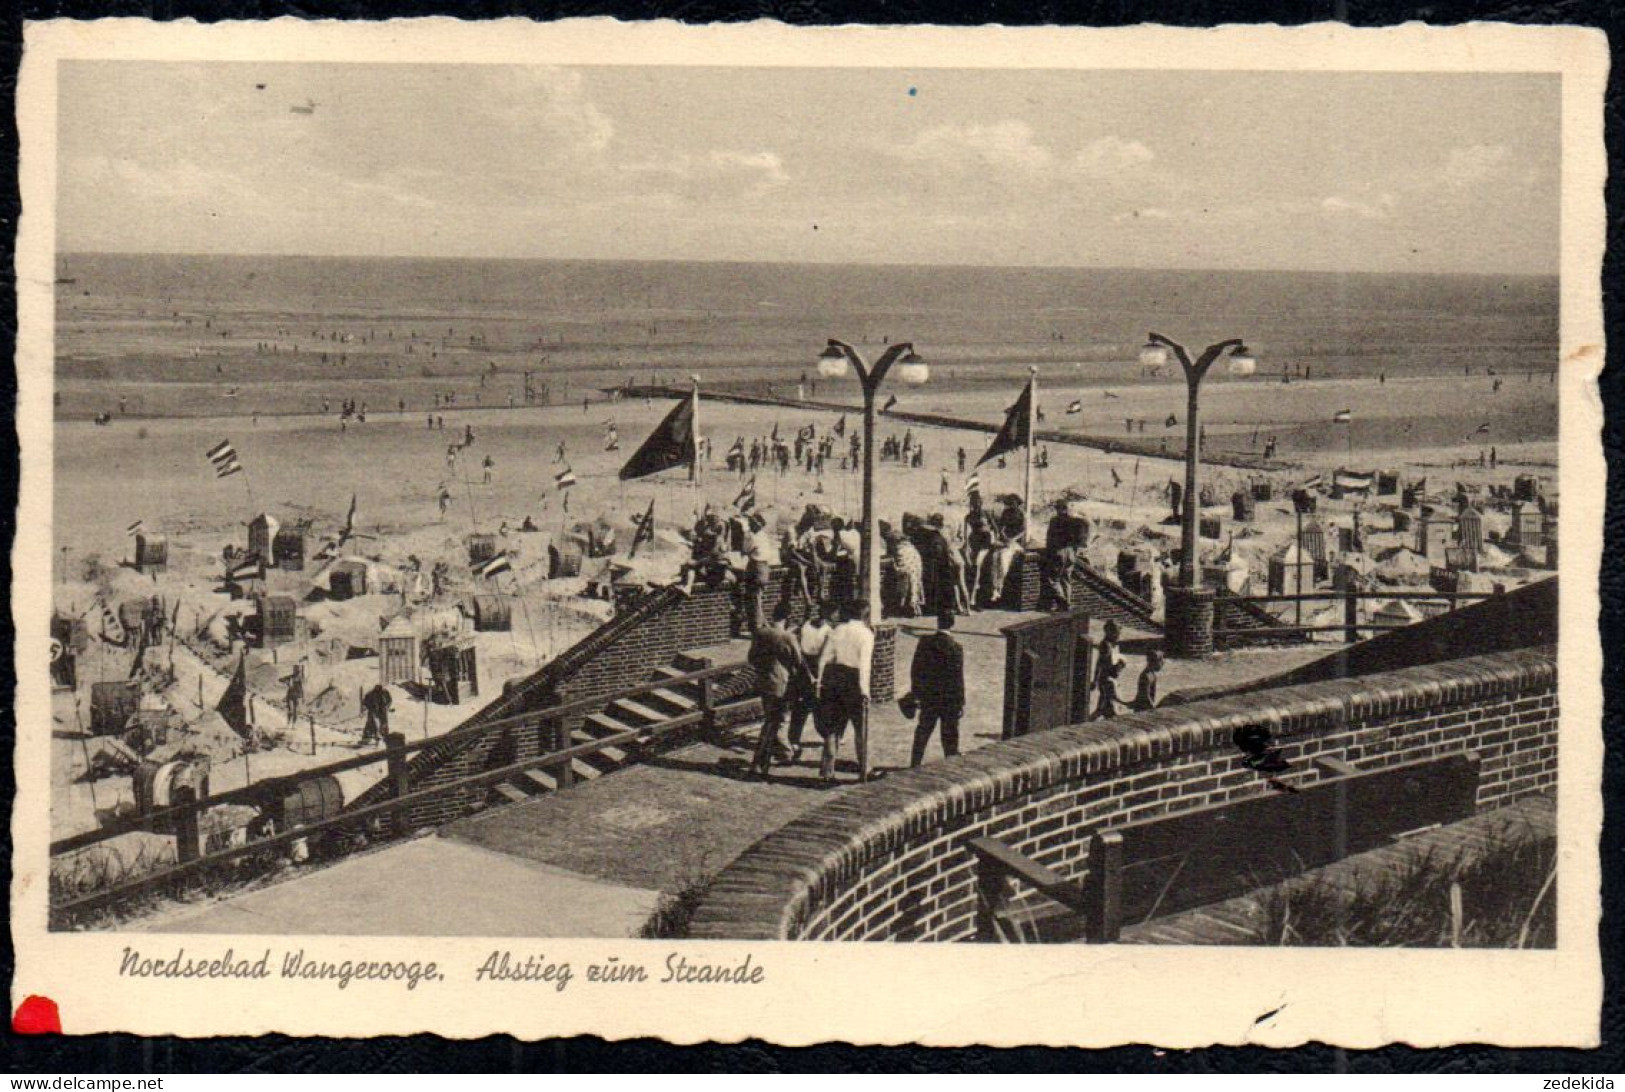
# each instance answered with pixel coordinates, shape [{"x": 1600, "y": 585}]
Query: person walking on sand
[
  {"x": 937, "y": 683},
  {"x": 377, "y": 703},
  {"x": 843, "y": 690},
  {"x": 294, "y": 694},
  {"x": 488, "y": 466},
  {"x": 776, "y": 661}
]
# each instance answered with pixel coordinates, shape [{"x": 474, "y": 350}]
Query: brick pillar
[
  {"x": 883, "y": 665},
  {"x": 1189, "y": 624}
]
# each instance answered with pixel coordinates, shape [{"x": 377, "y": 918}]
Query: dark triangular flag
[
  {"x": 891, "y": 401},
  {"x": 840, "y": 426},
  {"x": 669, "y": 445},
  {"x": 1017, "y": 430}
]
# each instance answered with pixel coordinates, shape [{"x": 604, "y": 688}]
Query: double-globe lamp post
[
  {"x": 832, "y": 363},
  {"x": 1189, "y": 621}
]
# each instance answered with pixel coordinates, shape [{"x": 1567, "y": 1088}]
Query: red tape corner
[{"x": 37, "y": 1016}]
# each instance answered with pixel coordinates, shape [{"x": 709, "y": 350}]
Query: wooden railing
[
  {"x": 183, "y": 818},
  {"x": 1351, "y": 626}
]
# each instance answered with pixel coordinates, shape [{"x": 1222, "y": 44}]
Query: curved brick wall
[{"x": 886, "y": 861}]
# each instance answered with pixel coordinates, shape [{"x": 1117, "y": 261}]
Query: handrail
[
  {"x": 382, "y": 808},
  {"x": 256, "y": 791},
  {"x": 1305, "y": 597}
]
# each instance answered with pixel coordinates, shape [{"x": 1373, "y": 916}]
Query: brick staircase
[
  {"x": 1106, "y": 600},
  {"x": 647, "y": 711}
]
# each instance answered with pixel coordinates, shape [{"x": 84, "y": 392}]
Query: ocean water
[{"x": 139, "y": 322}]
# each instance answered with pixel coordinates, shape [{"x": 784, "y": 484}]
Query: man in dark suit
[
  {"x": 937, "y": 682},
  {"x": 776, "y": 660},
  {"x": 1063, "y": 546}
]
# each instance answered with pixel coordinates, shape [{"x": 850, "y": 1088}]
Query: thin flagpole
[
  {"x": 1032, "y": 436},
  {"x": 1134, "y": 491}
]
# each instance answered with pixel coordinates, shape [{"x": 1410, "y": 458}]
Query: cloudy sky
[{"x": 1151, "y": 169}]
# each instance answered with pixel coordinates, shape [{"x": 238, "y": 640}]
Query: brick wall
[{"x": 887, "y": 861}]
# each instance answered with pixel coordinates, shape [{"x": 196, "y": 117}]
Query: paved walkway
[
  {"x": 429, "y": 886},
  {"x": 591, "y": 861}
]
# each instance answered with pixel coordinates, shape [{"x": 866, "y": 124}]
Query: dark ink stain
[
  {"x": 1253, "y": 741},
  {"x": 1269, "y": 1015},
  {"x": 913, "y": 91}
]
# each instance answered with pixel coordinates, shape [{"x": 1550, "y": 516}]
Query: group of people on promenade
[{"x": 820, "y": 670}]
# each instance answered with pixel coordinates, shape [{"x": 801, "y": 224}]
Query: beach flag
[
  {"x": 1075, "y": 406},
  {"x": 890, "y": 402},
  {"x": 1343, "y": 417},
  {"x": 672, "y": 443},
  {"x": 774, "y": 435},
  {"x": 565, "y": 478},
  {"x": 807, "y": 433},
  {"x": 133, "y": 528},
  {"x": 645, "y": 532},
  {"x": 1482, "y": 429},
  {"x": 973, "y": 484},
  {"x": 840, "y": 426},
  {"x": 222, "y": 452},
  {"x": 1017, "y": 429},
  {"x": 1312, "y": 483},
  {"x": 112, "y": 628},
  {"x": 1171, "y": 421},
  {"x": 494, "y": 566},
  {"x": 226, "y": 470},
  {"x": 1117, "y": 479},
  {"x": 747, "y": 496}
]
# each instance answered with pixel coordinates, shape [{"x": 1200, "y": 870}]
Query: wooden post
[
  {"x": 188, "y": 839},
  {"x": 992, "y": 892},
  {"x": 564, "y": 771},
  {"x": 1105, "y": 891},
  {"x": 399, "y": 778},
  {"x": 708, "y": 722},
  {"x": 1351, "y": 615}
]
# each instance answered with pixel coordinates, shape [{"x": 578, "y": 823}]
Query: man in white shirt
[
  {"x": 810, "y": 639},
  {"x": 843, "y": 689}
]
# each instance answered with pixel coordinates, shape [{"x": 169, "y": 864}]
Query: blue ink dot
[{"x": 912, "y": 91}]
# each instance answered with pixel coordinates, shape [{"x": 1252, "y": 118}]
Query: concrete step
[
  {"x": 513, "y": 793},
  {"x": 539, "y": 780},
  {"x": 584, "y": 771},
  {"x": 673, "y": 703},
  {"x": 635, "y": 713},
  {"x": 602, "y": 725}
]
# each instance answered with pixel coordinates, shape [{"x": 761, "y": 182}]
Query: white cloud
[
  {"x": 1475, "y": 163},
  {"x": 764, "y": 168},
  {"x": 1378, "y": 209},
  {"x": 1005, "y": 144},
  {"x": 1110, "y": 155}
]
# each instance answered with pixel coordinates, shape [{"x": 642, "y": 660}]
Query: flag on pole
[
  {"x": 1482, "y": 429},
  {"x": 222, "y": 452},
  {"x": 1171, "y": 421},
  {"x": 1075, "y": 406},
  {"x": 112, "y": 628},
  {"x": 645, "y": 529},
  {"x": 133, "y": 528},
  {"x": 747, "y": 496},
  {"x": 1312, "y": 483},
  {"x": 774, "y": 435},
  {"x": 252, "y": 569},
  {"x": 1343, "y": 417},
  {"x": 671, "y": 444},
  {"x": 565, "y": 478},
  {"x": 840, "y": 426},
  {"x": 1017, "y": 428},
  {"x": 1117, "y": 479},
  {"x": 891, "y": 400},
  {"x": 494, "y": 566},
  {"x": 973, "y": 484},
  {"x": 226, "y": 470}
]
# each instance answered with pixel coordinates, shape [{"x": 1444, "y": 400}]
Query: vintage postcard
[{"x": 1040, "y": 536}]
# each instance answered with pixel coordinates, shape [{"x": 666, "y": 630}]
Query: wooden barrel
[{"x": 311, "y": 801}]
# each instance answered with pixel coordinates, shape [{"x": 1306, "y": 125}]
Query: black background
[{"x": 54, "y": 1054}]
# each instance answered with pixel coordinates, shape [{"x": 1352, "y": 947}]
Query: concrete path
[{"x": 426, "y": 887}]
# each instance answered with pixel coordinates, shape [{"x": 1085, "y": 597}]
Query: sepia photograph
[{"x": 701, "y": 505}]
